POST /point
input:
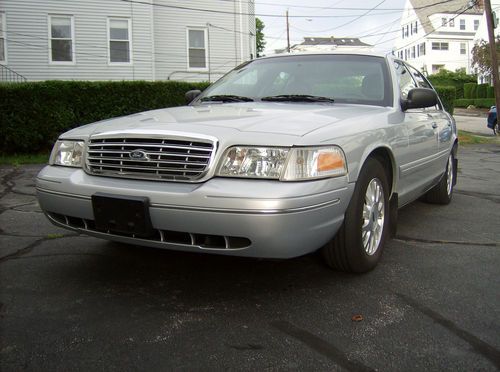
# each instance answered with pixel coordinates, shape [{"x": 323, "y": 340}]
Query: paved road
[
  {"x": 77, "y": 303},
  {"x": 473, "y": 124}
]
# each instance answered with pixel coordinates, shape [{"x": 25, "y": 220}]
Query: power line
[
  {"x": 204, "y": 10},
  {"x": 338, "y": 8}
]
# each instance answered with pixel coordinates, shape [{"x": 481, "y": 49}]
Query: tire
[
  {"x": 442, "y": 193},
  {"x": 496, "y": 129},
  {"x": 358, "y": 245}
]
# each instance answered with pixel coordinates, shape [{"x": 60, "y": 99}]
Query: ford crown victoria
[{"x": 283, "y": 156}]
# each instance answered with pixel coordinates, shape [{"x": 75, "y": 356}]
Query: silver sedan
[{"x": 281, "y": 157}]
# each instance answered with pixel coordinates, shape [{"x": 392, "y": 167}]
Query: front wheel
[
  {"x": 358, "y": 245},
  {"x": 496, "y": 130}
]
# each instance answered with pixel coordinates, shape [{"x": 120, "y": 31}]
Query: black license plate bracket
[{"x": 122, "y": 214}]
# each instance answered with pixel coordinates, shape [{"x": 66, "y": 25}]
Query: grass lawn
[
  {"x": 466, "y": 138},
  {"x": 17, "y": 160}
]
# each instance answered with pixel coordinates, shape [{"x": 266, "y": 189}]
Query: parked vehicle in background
[
  {"x": 281, "y": 157},
  {"x": 493, "y": 121}
]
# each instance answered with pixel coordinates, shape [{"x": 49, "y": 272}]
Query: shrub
[
  {"x": 470, "y": 90},
  {"x": 456, "y": 79},
  {"x": 481, "y": 90},
  {"x": 447, "y": 95},
  {"x": 490, "y": 92},
  {"x": 484, "y": 102},
  {"x": 463, "y": 102},
  {"x": 33, "y": 114}
]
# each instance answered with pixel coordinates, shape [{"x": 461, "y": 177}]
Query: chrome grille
[{"x": 150, "y": 158}]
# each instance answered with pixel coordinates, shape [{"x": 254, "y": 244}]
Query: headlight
[
  {"x": 67, "y": 153},
  {"x": 320, "y": 162},
  {"x": 253, "y": 162},
  {"x": 285, "y": 164}
]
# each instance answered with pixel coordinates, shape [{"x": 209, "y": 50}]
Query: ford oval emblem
[{"x": 138, "y": 155}]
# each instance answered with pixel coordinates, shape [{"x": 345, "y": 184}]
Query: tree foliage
[
  {"x": 481, "y": 57},
  {"x": 261, "y": 43}
]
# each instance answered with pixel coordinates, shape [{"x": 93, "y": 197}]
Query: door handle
[{"x": 434, "y": 125}]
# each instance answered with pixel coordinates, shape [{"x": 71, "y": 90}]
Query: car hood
[{"x": 284, "y": 119}]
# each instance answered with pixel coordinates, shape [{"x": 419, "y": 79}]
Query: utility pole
[
  {"x": 493, "y": 51},
  {"x": 287, "y": 34}
]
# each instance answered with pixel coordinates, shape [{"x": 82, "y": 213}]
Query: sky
[{"x": 375, "y": 22}]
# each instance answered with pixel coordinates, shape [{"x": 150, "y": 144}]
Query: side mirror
[
  {"x": 191, "y": 95},
  {"x": 419, "y": 98}
]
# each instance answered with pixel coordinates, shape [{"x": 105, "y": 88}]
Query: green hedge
[
  {"x": 447, "y": 78},
  {"x": 484, "y": 102},
  {"x": 478, "y": 102},
  {"x": 447, "y": 95},
  {"x": 490, "y": 92},
  {"x": 481, "y": 90},
  {"x": 470, "y": 90},
  {"x": 463, "y": 102},
  {"x": 33, "y": 114}
]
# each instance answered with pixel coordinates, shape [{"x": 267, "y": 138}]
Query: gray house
[{"x": 124, "y": 39}]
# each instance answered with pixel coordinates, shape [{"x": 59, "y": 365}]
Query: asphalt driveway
[{"x": 70, "y": 302}]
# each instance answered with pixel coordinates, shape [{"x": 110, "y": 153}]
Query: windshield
[{"x": 343, "y": 78}]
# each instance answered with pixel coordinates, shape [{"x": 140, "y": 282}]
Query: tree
[
  {"x": 261, "y": 43},
  {"x": 481, "y": 57}
]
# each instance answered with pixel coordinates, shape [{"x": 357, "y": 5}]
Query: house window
[
  {"x": 476, "y": 24},
  {"x": 463, "y": 48},
  {"x": 61, "y": 38},
  {"x": 406, "y": 31},
  {"x": 413, "y": 52},
  {"x": 197, "y": 52},
  {"x": 444, "y": 21},
  {"x": 402, "y": 32},
  {"x": 452, "y": 22},
  {"x": 462, "y": 24},
  {"x": 440, "y": 46},
  {"x": 421, "y": 47},
  {"x": 416, "y": 27},
  {"x": 2, "y": 37},
  {"x": 119, "y": 37}
]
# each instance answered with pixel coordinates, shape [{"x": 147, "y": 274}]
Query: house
[
  {"x": 191, "y": 40},
  {"x": 327, "y": 44},
  {"x": 482, "y": 35},
  {"x": 438, "y": 35}
]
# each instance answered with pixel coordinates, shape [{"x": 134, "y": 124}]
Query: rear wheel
[
  {"x": 443, "y": 191},
  {"x": 496, "y": 130},
  {"x": 358, "y": 245}
]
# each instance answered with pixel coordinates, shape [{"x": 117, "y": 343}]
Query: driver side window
[{"x": 406, "y": 82}]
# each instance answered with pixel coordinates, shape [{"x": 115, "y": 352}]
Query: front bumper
[{"x": 252, "y": 218}]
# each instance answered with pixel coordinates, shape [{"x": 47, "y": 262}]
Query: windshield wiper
[
  {"x": 297, "y": 98},
  {"x": 226, "y": 98}
]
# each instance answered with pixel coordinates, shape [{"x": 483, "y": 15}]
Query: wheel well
[{"x": 386, "y": 159}]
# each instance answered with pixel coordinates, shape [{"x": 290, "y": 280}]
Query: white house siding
[
  {"x": 28, "y": 45},
  {"x": 159, "y": 38},
  {"x": 228, "y": 35},
  {"x": 450, "y": 59}
]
